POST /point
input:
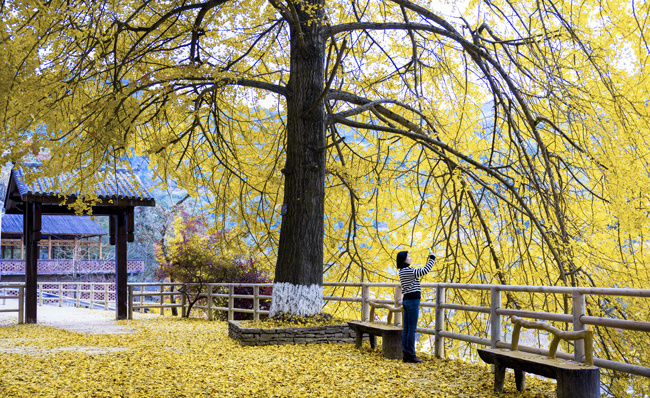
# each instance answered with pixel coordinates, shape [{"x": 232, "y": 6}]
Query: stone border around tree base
[{"x": 307, "y": 335}]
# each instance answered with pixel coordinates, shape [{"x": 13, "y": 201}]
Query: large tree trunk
[{"x": 298, "y": 284}]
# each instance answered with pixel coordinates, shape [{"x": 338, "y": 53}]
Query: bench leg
[
  {"x": 578, "y": 384},
  {"x": 373, "y": 341},
  {"x": 391, "y": 344},
  {"x": 359, "y": 340},
  {"x": 499, "y": 376},
  {"x": 520, "y": 380}
]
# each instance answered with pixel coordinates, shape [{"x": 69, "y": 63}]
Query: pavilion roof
[{"x": 118, "y": 187}]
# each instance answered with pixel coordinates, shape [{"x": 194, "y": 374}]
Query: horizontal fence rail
[{"x": 175, "y": 296}]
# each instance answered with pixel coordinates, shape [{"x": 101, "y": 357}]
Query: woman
[{"x": 409, "y": 278}]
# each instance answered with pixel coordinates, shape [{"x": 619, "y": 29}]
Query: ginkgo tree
[{"x": 509, "y": 135}]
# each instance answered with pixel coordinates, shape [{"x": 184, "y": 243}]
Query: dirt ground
[{"x": 79, "y": 320}]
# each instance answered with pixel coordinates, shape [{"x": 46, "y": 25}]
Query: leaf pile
[
  {"x": 179, "y": 357},
  {"x": 284, "y": 320}
]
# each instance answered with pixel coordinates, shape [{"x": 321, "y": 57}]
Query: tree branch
[
  {"x": 286, "y": 14},
  {"x": 355, "y": 99},
  {"x": 296, "y": 26},
  {"x": 350, "y": 27},
  {"x": 197, "y": 32},
  {"x": 238, "y": 82},
  {"x": 416, "y": 134}
]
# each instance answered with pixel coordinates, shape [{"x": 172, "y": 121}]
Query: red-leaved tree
[{"x": 197, "y": 256}]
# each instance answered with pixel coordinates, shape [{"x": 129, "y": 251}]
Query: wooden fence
[
  {"x": 14, "y": 292},
  {"x": 161, "y": 296},
  {"x": 578, "y": 318}
]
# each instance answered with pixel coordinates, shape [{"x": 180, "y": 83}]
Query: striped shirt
[{"x": 409, "y": 278}]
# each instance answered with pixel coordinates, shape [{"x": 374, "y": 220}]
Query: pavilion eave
[{"x": 52, "y": 204}]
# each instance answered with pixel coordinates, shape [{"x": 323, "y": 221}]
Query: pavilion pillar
[
  {"x": 119, "y": 236},
  {"x": 32, "y": 234}
]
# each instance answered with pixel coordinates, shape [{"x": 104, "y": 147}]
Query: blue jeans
[{"x": 411, "y": 313}]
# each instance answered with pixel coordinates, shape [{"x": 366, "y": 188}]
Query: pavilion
[{"x": 117, "y": 196}]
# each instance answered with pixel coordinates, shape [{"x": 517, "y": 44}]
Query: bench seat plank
[
  {"x": 542, "y": 366},
  {"x": 373, "y": 327}
]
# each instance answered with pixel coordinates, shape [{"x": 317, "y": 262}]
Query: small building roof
[{"x": 12, "y": 224}]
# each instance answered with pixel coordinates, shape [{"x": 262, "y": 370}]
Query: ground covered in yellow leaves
[{"x": 174, "y": 357}]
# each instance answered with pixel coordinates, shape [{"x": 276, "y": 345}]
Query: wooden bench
[
  {"x": 574, "y": 379},
  {"x": 391, "y": 335}
]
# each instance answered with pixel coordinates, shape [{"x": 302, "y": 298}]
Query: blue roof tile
[
  {"x": 117, "y": 184},
  {"x": 55, "y": 225}
]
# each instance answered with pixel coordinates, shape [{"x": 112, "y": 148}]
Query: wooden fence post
[
  {"x": 130, "y": 302},
  {"x": 209, "y": 301},
  {"x": 578, "y": 300},
  {"x": 495, "y": 319},
  {"x": 115, "y": 292},
  {"x": 398, "y": 298},
  {"x": 78, "y": 294},
  {"x": 365, "y": 307},
  {"x": 183, "y": 304},
  {"x": 21, "y": 304},
  {"x": 92, "y": 294},
  {"x": 231, "y": 302},
  {"x": 439, "y": 341},
  {"x": 141, "y": 309},
  {"x": 161, "y": 299},
  {"x": 106, "y": 297},
  {"x": 256, "y": 303}
]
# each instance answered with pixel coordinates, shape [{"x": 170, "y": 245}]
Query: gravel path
[{"x": 79, "y": 320}]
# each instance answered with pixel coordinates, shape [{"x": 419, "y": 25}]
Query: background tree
[
  {"x": 193, "y": 255},
  {"x": 511, "y": 134}
]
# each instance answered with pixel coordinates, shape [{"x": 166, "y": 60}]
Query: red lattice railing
[{"x": 62, "y": 267}]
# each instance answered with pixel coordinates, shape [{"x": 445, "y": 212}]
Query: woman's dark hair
[{"x": 401, "y": 257}]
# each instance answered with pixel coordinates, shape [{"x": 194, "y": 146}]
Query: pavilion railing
[
  {"x": 68, "y": 266},
  {"x": 161, "y": 296}
]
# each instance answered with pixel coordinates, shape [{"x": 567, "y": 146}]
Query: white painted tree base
[{"x": 298, "y": 300}]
